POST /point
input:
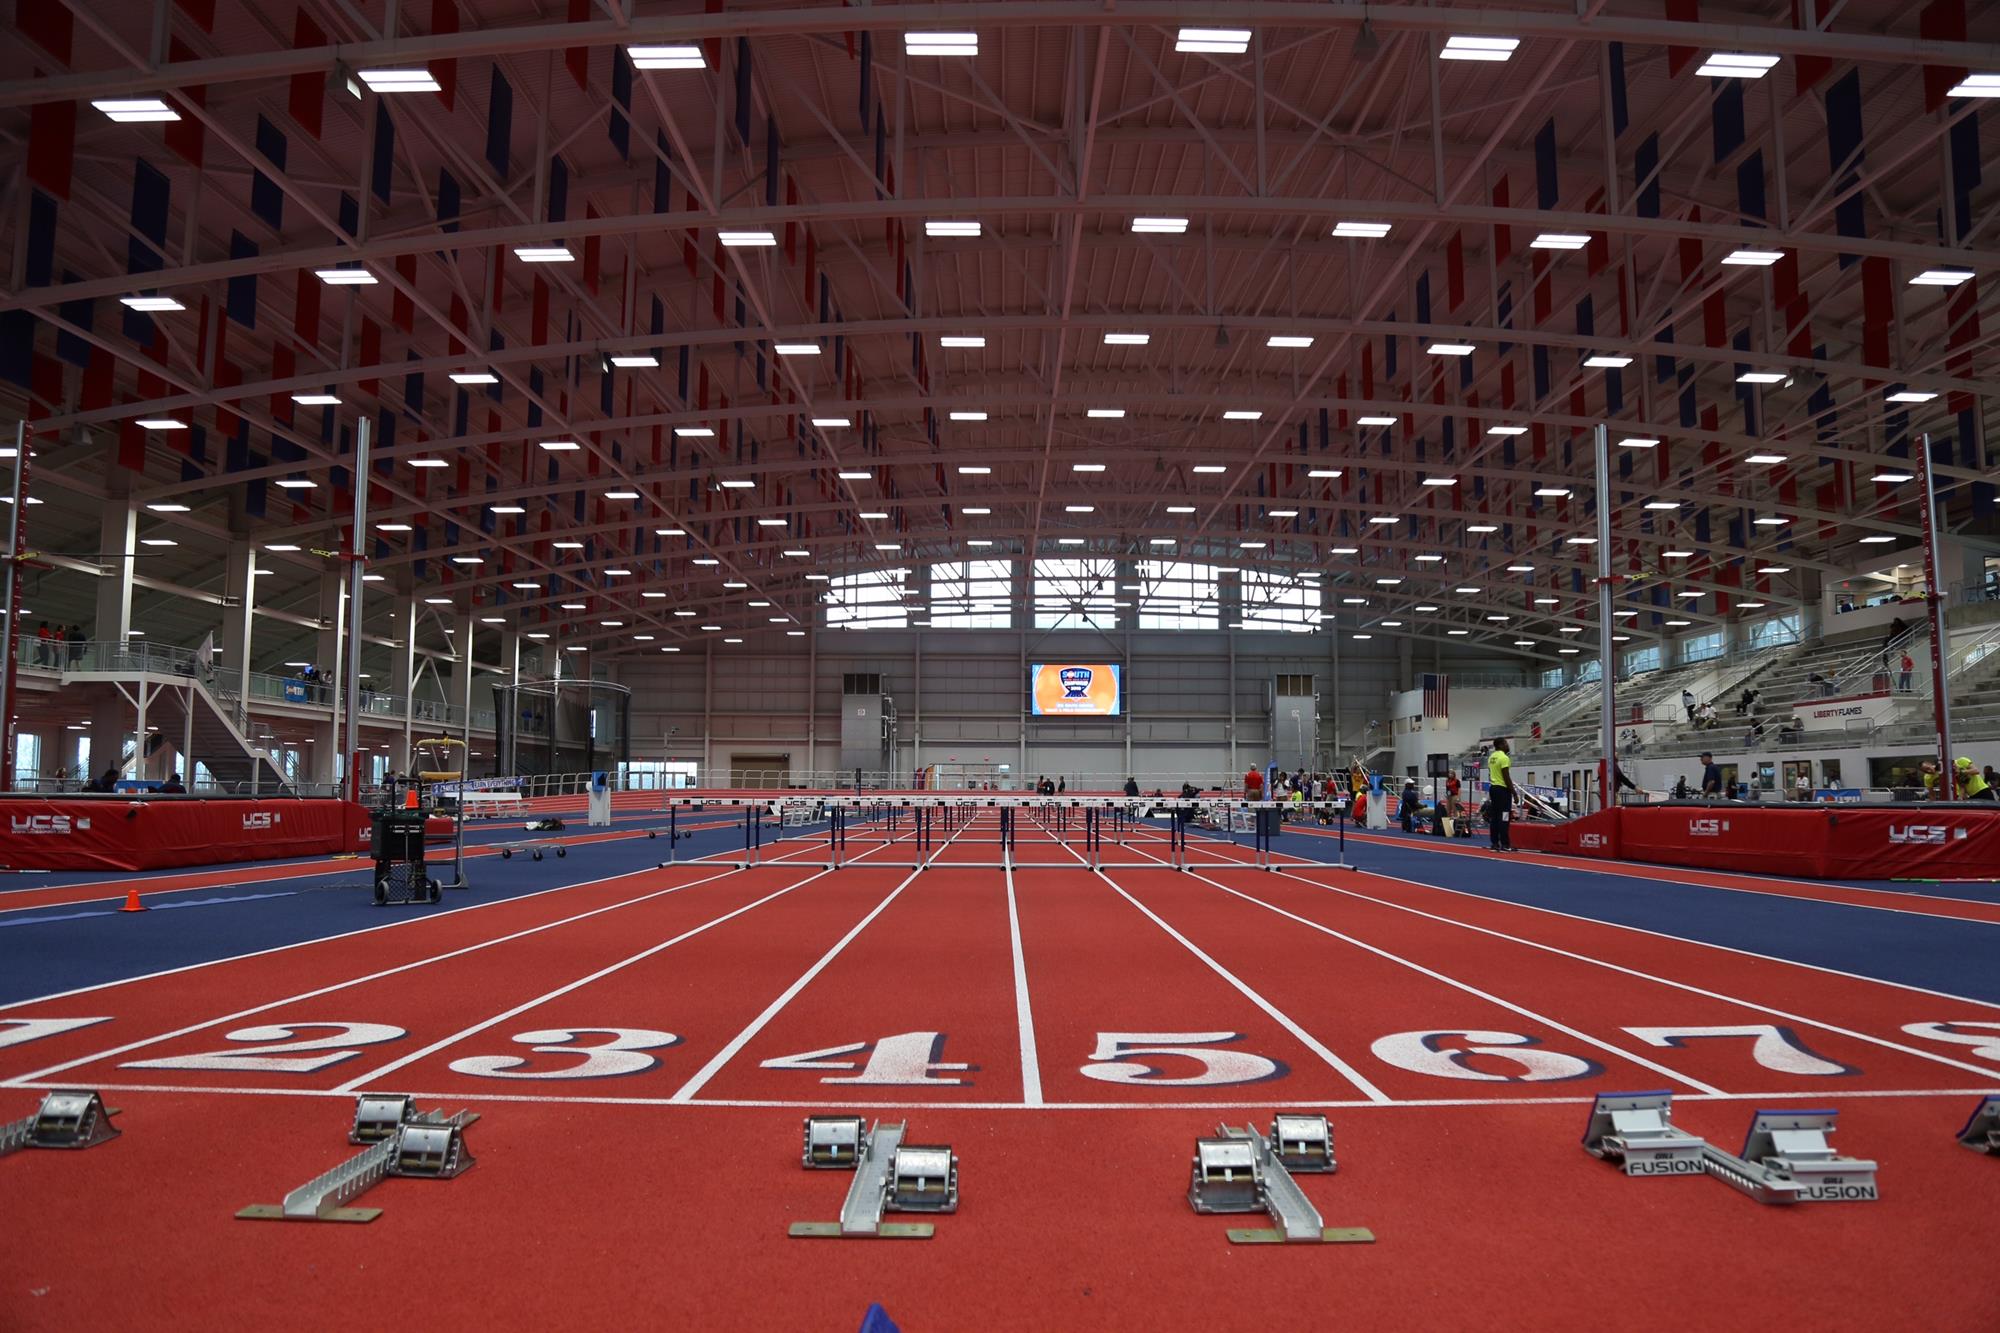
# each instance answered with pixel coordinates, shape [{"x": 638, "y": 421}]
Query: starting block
[
  {"x": 889, "y": 1176},
  {"x": 1785, "y": 1159},
  {"x": 1982, "y": 1131},
  {"x": 402, "y": 1141},
  {"x": 1242, "y": 1171},
  {"x": 73, "y": 1118}
]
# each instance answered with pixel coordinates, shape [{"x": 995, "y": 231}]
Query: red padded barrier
[
  {"x": 1816, "y": 842},
  {"x": 141, "y": 833}
]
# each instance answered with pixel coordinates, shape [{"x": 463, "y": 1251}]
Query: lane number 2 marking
[{"x": 288, "y": 1057}]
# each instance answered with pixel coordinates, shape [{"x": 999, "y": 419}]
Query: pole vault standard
[
  {"x": 10, "y": 653},
  {"x": 1934, "y": 595},
  {"x": 1607, "y": 780},
  {"x": 357, "y": 543}
]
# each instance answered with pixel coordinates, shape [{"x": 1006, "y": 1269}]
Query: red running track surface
[{"x": 646, "y": 1176}]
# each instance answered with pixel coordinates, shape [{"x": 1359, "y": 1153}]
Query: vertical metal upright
[
  {"x": 357, "y": 543},
  {"x": 1607, "y": 674},
  {"x": 10, "y": 653},
  {"x": 1934, "y": 605}
]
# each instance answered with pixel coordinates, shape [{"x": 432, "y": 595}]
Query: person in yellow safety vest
[
  {"x": 1971, "y": 786},
  {"x": 1929, "y": 774},
  {"x": 1500, "y": 780}
]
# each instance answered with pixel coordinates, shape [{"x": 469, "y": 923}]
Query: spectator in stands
[
  {"x": 105, "y": 781},
  {"x": 1756, "y": 732},
  {"x": 1062, "y": 785},
  {"x": 1131, "y": 786},
  {"x": 1971, "y": 786},
  {"x": 1705, "y": 716},
  {"x": 173, "y": 786},
  {"x": 1680, "y": 788},
  {"x": 1896, "y": 628},
  {"x": 1747, "y": 702},
  {"x": 1687, "y": 702},
  {"x": 1188, "y": 791},
  {"x": 1909, "y": 665},
  {"x": 1499, "y": 769},
  {"x": 1792, "y": 730},
  {"x": 1802, "y": 788},
  {"x": 1253, "y": 784},
  {"x": 1821, "y": 684},
  {"x": 1407, "y": 805},
  {"x": 44, "y": 649},
  {"x": 1711, "y": 775}
]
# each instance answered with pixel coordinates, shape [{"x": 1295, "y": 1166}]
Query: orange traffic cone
[
  {"x": 410, "y": 799},
  {"x": 132, "y": 903}
]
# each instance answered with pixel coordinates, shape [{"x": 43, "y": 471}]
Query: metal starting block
[
  {"x": 402, "y": 1141},
  {"x": 73, "y": 1118},
  {"x": 1242, "y": 1171},
  {"x": 1982, "y": 1131},
  {"x": 889, "y": 1176},
  {"x": 1785, "y": 1158},
  {"x": 1636, "y": 1130}
]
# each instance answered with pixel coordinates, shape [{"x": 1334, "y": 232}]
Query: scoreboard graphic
[{"x": 1075, "y": 689}]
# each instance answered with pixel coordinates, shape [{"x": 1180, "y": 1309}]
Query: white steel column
[
  {"x": 1607, "y": 678},
  {"x": 1934, "y": 598},
  {"x": 117, "y": 544}
]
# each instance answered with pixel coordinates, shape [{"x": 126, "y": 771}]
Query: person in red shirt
[
  {"x": 1909, "y": 665},
  {"x": 1253, "y": 785}
]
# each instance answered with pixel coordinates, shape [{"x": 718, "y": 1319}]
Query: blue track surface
[
  {"x": 1960, "y": 957},
  {"x": 59, "y": 948}
]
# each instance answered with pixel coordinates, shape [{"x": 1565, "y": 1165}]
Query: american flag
[{"x": 1437, "y": 696}]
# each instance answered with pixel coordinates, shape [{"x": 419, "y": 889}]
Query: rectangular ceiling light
[
  {"x": 1242, "y": 414},
  {"x": 474, "y": 377},
  {"x": 561, "y": 446},
  {"x": 833, "y": 423},
  {"x": 160, "y": 423},
  {"x": 131, "y": 110},
  {"x": 1209, "y": 469},
  {"x": 295, "y": 484},
  {"x": 1930, "y": 277},
  {"x": 1159, "y": 226},
  {"x": 797, "y": 349},
  {"x": 1638, "y": 442},
  {"x": 509, "y": 509},
  {"x": 941, "y": 43},
  {"x": 1663, "y": 504},
  {"x": 771, "y": 522},
  {"x": 1478, "y": 48},
  {"x": 1213, "y": 41},
  {"x": 967, "y": 416},
  {"x": 747, "y": 240},
  {"x": 1977, "y": 85},
  {"x": 345, "y": 277},
  {"x": 972, "y": 470},
  {"x": 1288, "y": 340},
  {"x": 1364, "y": 231},
  {"x": 1450, "y": 349},
  {"x": 1127, "y": 339},
  {"x": 621, "y": 495},
  {"x": 1324, "y": 472},
  {"x": 1440, "y": 481},
  {"x": 1753, "y": 258},
  {"x": 961, "y": 340},
  {"x": 635, "y": 361},
  {"x": 1559, "y": 240},
  {"x": 694, "y": 432},
  {"x": 1506, "y": 430},
  {"x": 1607, "y": 361},
  {"x": 686, "y": 56},
  {"x": 1761, "y": 377},
  {"x": 1765, "y": 458},
  {"x": 737, "y": 484},
  {"x": 1482, "y": 527},
  {"x": 1180, "y": 509},
  {"x": 1105, "y": 413},
  {"x": 418, "y": 80},
  {"x": 155, "y": 304},
  {"x": 946, "y": 227},
  {"x": 543, "y": 254},
  {"x": 972, "y": 509},
  {"x": 1909, "y": 396},
  {"x": 1086, "y": 467},
  {"x": 1736, "y": 65},
  {"x": 1374, "y": 421},
  {"x": 1552, "y": 490},
  {"x": 316, "y": 400}
]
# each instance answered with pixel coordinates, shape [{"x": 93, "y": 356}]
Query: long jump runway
[{"x": 642, "y": 1042}]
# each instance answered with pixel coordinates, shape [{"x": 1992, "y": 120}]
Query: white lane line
[
  {"x": 722, "y": 1057},
  {"x": 1689, "y": 987},
  {"x": 114, "y": 1051},
  {"x": 474, "y": 1029},
  {"x": 693, "y": 863},
  {"x": 1310, "y": 1042},
  {"x": 1632, "y": 1057},
  {"x": 460, "y": 1097},
  {"x": 1024, "y": 1015}
]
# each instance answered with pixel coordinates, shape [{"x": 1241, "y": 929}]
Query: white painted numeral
[
  {"x": 907, "y": 1059},
  {"x": 1447, "y": 1054},
  {"x": 270, "y": 1061},
  {"x": 622, "y": 1053},
  {"x": 15, "y": 1031},
  {"x": 1115, "y": 1063},
  {"x": 1775, "y": 1047},
  {"x": 1983, "y": 1038}
]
